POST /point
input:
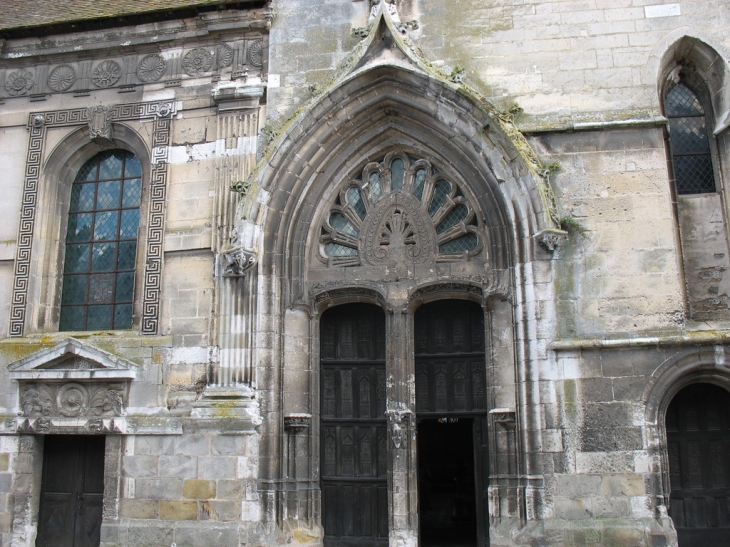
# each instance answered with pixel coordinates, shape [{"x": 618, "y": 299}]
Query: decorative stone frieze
[{"x": 296, "y": 423}]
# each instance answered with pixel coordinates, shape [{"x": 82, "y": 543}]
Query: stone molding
[
  {"x": 551, "y": 239},
  {"x": 38, "y": 122}
]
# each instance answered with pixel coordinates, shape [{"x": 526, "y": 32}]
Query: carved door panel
[
  {"x": 698, "y": 441},
  {"x": 451, "y": 389},
  {"x": 353, "y": 427},
  {"x": 72, "y": 491}
]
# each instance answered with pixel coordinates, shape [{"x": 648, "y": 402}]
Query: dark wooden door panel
[
  {"x": 71, "y": 492},
  {"x": 698, "y": 444},
  {"x": 353, "y": 429}
]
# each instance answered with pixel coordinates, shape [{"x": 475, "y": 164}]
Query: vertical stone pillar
[{"x": 400, "y": 400}]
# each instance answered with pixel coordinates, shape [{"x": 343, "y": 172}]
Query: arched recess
[
  {"x": 699, "y": 365},
  {"x": 378, "y": 112},
  {"x": 59, "y": 171},
  {"x": 692, "y": 87}
]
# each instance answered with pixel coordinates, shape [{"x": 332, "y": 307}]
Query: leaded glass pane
[
  {"x": 127, "y": 254},
  {"x": 101, "y": 288},
  {"x": 72, "y": 318},
  {"x": 467, "y": 242},
  {"x": 123, "y": 316},
  {"x": 129, "y": 224},
  {"x": 74, "y": 289},
  {"x": 107, "y": 196},
  {"x": 688, "y": 136},
  {"x": 340, "y": 223},
  {"x": 396, "y": 174},
  {"x": 88, "y": 171},
  {"x": 132, "y": 193},
  {"x": 456, "y": 215},
  {"x": 694, "y": 174},
  {"x": 682, "y": 101},
  {"x": 375, "y": 184},
  {"x": 125, "y": 287},
  {"x": 82, "y": 197},
  {"x": 99, "y": 317},
  {"x": 106, "y": 225},
  {"x": 355, "y": 200},
  {"x": 103, "y": 257},
  {"x": 337, "y": 250},
  {"x": 94, "y": 272},
  {"x": 79, "y": 227},
  {"x": 440, "y": 193},
  {"x": 110, "y": 166},
  {"x": 77, "y": 258},
  {"x": 419, "y": 183},
  {"x": 132, "y": 167}
]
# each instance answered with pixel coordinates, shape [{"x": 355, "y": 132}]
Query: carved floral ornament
[{"x": 401, "y": 210}]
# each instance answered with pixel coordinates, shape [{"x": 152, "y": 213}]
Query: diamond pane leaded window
[
  {"x": 689, "y": 142},
  {"x": 101, "y": 244}
]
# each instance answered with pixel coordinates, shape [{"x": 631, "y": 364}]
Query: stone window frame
[
  {"x": 62, "y": 167},
  {"x": 690, "y": 78},
  {"x": 46, "y": 196}
]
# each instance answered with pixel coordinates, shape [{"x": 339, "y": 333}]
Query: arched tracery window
[
  {"x": 101, "y": 243},
  {"x": 400, "y": 209},
  {"x": 689, "y": 142}
]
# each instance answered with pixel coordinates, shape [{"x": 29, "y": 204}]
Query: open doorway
[{"x": 446, "y": 482}]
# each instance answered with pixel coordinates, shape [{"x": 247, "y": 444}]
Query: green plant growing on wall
[{"x": 572, "y": 226}]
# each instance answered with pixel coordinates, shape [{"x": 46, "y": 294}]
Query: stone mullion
[{"x": 403, "y": 477}]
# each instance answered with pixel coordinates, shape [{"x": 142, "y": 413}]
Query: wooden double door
[
  {"x": 451, "y": 410},
  {"x": 72, "y": 491},
  {"x": 698, "y": 442}
]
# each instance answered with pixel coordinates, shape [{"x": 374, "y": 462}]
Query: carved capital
[
  {"x": 100, "y": 123},
  {"x": 399, "y": 421},
  {"x": 506, "y": 417},
  {"x": 551, "y": 238},
  {"x": 297, "y": 422},
  {"x": 237, "y": 261}
]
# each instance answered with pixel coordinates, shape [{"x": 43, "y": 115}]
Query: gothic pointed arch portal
[{"x": 394, "y": 189}]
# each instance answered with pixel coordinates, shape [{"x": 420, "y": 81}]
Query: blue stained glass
[
  {"x": 106, "y": 225},
  {"x": 375, "y": 184},
  {"x": 396, "y": 174},
  {"x": 125, "y": 287},
  {"x": 337, "y": 250},
  {"x": 419, "y": 183},
  {"x": 77, "y": 258},
  {"x": 88, "y": 171},
  {"x": 127, "y": 254},
  {"x": 107, "y": 196},
  {"x": 101, "y": 288},
  {"x": 82, "y": 197},
  {"x": 467, "y": 242},
  {"x": 132, "y": 167},
  {"x": 74, "y": 289},
  {"x": 456, "y": 215},
  {"x": 440, "y": 193},
  {"x": 99, "y": 317},
  {"x": 79, "y": 227},
  {"x": 339, "y": 222},
  {"x": 103, "y": 257},
  {"x": 355, "y": 200},
  {"x": 110, "y": 166},
  {"x": 123, "y": 316},
  {"x": 132, "y": 193},
  {"x": 129, "y": 224},
  {"x": 72, "y": 318}
]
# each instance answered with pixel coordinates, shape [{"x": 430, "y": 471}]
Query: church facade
[{"x": 365, "y": 273}]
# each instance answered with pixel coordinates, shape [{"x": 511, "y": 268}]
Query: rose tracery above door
[{"x": 401, "y": 210}]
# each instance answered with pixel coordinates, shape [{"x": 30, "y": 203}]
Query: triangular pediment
[{"x": 72, "y": 359}]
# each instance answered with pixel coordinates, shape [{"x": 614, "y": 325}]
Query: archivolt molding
[{"x": 384, "y": 84}]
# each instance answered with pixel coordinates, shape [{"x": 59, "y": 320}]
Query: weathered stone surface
[{"x": 199, "y": 489}]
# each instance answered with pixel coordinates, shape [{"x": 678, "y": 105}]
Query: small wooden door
[
  {"x": 353, "y": 428},
  {"x": 698, "y": 441},
  {"x": 72, "y": 491},
  {"x": 451, "y": 389}
]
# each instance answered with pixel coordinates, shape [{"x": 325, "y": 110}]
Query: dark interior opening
[{"x": 446, "y": 482}]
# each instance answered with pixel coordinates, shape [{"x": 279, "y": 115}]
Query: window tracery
[{"x": 400, "y": 210}]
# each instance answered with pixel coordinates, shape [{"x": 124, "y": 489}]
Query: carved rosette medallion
[
  {"x": 401, "y": 210},
  {"x": 61, "y": 78},
  {"x": 225, "y": 56},
  {"x": 19, "y": 83},
  {"x": 151, "y": 68},
  {"x": 106, "y": 74},
  {"x": 197, "y": 61},
  {"x": 72, "y": 400},
  {"x": 397, "y": 233},
  {"x": 256, "y": 53}
]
